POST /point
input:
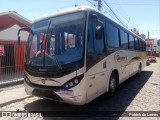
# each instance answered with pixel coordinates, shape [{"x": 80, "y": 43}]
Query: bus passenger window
[
  {"x": 116, "y": 38},
  {"x": 96, "y": 42},
  {"x": 140, "y": 45},
  {"x": 90, "y": 46},
  {"x": 112, "y": 36},
  {"x": 136, "y": 44},
  {"x": 99, "y": 42},
  {"x": 131, "y": 42},
  {"x": 124, "y": 39}
]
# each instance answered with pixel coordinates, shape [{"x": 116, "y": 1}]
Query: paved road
[{"x": 136, "y": 94}]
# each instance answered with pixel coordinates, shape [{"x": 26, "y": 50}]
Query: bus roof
[
  {"x": 69, "y": 10},
  {"x": 84, "y": 8}
]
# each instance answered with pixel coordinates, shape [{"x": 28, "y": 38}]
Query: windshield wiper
[
  {"x": 44, "y": 52},
  {"x": 57, "y": 62}
]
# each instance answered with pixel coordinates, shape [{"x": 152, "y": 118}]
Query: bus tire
[
  {"x": 113, "y": 83},
  {"x": 139, "y": 69}
]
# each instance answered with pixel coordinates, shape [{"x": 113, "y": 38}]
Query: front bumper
[
  {"x": 42, "y": 91},
  {"x": 54, "y": 93}
]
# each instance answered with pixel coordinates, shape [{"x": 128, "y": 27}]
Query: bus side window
[
  {"x": 99, "y": 42},
  {"x": 124, "y": 39},
  {"x": 136, "y": 44},
  {"x": 96, "y": 43},
  {"x": 110, "y": 34},
  {"x": 131, "y": 42},
  {"x": 144, "y": 46},
  {"x": 90, "y": 38},
  {"x": 112, "y": 37},
  {"x": 140, "y": 45}
]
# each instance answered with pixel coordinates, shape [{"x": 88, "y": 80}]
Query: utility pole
[{"x": 99, "y": 4}]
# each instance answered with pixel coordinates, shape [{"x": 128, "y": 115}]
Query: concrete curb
[
  {"x": 11, "y": 83},
  {"x": 15, "y": 100}
]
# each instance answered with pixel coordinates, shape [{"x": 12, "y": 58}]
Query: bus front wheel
[{"x": 112, "y": 84}]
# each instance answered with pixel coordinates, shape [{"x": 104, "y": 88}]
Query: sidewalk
[
  {"x": 11, "y": 79},
  {"x": 11, "y": 88},
  {"x": 12, "y": 94}
]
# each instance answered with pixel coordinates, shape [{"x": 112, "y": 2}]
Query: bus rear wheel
[
  {"x": 112, "y": 84},
  {"x": 139, "y": 70}
]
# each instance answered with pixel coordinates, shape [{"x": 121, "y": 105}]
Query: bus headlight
[
  {"x": 73, "y": 82},
  {"x": 76, "y": 81},
  {"x": 66, "y": 86}
]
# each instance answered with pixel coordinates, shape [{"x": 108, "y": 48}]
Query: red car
[{"x": 152, "y": 58}]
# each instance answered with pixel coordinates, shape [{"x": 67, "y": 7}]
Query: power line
[
  {"x": 114, "y": 14},
  {"x": 91, "y": 2},
  {"x": 99, "y": 4},
  {"x": 128, "y": 17},
  {"x": 109, "y": 13},
  {"x": 135, "y": 4},
  {"x": 125, "y": 16},
  {"x": 120, "y": 19}
]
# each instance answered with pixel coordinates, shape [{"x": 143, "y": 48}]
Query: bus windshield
[{"x": 56, "y": 41}]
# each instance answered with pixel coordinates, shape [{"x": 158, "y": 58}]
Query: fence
[{"x": 11, "y": 60}]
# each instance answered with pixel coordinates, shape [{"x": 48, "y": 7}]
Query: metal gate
[{"x": 11, "y": 61}]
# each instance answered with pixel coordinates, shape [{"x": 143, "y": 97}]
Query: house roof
[
  {"x": 10, "y": 18},
  {"x": 12, "y": 31}
]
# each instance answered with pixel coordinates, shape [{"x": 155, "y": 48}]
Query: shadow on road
[{"x": 125, "y": 94}]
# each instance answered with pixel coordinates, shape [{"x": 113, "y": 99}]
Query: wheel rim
[{"x": 113, "y": 85}]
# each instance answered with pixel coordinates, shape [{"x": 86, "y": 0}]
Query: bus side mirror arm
[
  {"x": 19, "y": 38},
  {"x": 22, "y": 29}
]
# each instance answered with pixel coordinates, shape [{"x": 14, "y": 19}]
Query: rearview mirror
[
  {"x": 22, "y": 29},
  {"x": 98, "y": 28}
]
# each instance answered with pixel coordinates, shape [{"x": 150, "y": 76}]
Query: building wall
[
  {"x": 158, "y": 47},
  {"x": 13, "y": 59},
  {"x": 151, "y": 47}
]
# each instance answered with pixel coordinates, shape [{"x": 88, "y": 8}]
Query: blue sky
[{"x": 142, "y": 14}]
